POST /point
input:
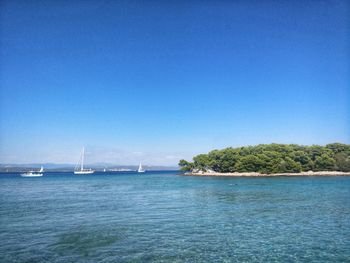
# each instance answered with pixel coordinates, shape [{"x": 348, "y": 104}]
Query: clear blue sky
[{"x": 156, "y": 81}]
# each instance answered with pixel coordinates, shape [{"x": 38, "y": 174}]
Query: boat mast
[{"x": 82, "y": 159}]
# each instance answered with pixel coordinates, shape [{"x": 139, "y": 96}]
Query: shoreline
[{"x": 255, "y": 174}]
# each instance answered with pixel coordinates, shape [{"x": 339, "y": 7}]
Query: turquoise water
[{"x": 164, "y": 217}]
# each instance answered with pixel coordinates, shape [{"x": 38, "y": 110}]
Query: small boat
[
  {"x": 81, "y": 164},
  {"x": 34, "y": 173},
  {"x": 141, "y": 170}
]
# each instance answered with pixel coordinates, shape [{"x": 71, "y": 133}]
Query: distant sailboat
[
  {"x": 81, "y": 164},
  {"x": 140, "y": 170},
  {"x": 33, "y": 173}
]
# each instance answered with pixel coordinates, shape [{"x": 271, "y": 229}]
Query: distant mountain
[{"x": 36, "y": 165}]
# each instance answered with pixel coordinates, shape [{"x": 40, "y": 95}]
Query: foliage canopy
[{"x": 273, "y": 158}]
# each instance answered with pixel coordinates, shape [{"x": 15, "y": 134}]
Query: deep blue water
[{"x": 164, "y": 217}]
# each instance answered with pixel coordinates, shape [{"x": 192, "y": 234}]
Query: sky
[{"x": 158, "y": 81}]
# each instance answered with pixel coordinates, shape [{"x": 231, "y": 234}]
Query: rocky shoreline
[{"x": 254, "y": 174}]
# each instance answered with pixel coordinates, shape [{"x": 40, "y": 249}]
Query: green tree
[
  {"x": 185, "y": 165},
  {"x": 228, "y": 159},
  {"x": 315, "y": 150},
  {"x": 273, "y": 158},
  {"x": 324, "y": 163},
  {"x": 201, "y": 162},
  {"x": 338, "y": 148},
  {"x": 287, "y": 165},
  {"x": 249, "y": 163},
  {"x": 303, "y": 159},
  {"x": 342, "y": 162}
]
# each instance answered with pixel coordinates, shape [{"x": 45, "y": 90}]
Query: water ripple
[{"x": 162, "y": 217}]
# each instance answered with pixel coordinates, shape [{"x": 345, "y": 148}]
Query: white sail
[
  {"x": 140, "y": 170},
  {"x": 81, "y": 162}
]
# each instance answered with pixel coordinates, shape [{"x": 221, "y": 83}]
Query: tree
[
  {"x": 228, "y": 159},
  {"x": 185, "y": 165},
  {"x": 324, "y": 163},
  {"x": 302, "y": 158},
  {"x": 287, "y": 165},
  {"x": 338, "y": 148},
  {"x": 273, "y": 158},
  {"x": 201, "y": 162},
  {"x": 249, "y": 163},
  {"x": 315, "y": 150},
  {"x": 342, "y": 162}
]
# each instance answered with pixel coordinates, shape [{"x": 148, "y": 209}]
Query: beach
[{"x": 255, "y": 174}]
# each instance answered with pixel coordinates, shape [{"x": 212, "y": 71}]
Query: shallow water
[{"x": 164, "y": 217}]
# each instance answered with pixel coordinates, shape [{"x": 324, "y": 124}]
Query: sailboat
[
  {"x": 81, "y": 164},
  {"x": 140, "y": 170},
  {"x": 34, "y": 173}
]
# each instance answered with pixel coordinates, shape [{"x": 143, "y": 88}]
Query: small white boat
[
  {"x": 81, "y": 164},
  {"x": 141, "y": 170},
  {"x": 34, "y": 173}
]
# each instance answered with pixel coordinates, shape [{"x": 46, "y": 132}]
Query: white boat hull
[
  {"x": 84, "y": 172},
  {"x": 31, "y": 175}
]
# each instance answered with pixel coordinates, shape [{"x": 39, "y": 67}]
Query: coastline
[{"x": 254, "y": 174}]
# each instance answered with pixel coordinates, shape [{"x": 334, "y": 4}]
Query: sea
[{"x": 167, "y": 217}]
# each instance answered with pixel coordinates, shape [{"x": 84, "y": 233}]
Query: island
[{"x": 272, "y": 160}]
